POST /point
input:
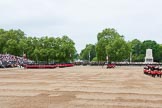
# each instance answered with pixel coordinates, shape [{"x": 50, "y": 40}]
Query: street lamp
[
  {"x": 130, "y": 57},
  {"x": 107, "y": 58},
  {"x": 89, "y": 56}
]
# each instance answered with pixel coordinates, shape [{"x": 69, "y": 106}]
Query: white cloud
[{"x": 81, "y": 20}]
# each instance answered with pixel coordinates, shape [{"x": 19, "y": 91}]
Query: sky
[{"x": 82, "y": 20}]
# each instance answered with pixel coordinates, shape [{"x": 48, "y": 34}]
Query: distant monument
[{"x": 149, "y": 57}]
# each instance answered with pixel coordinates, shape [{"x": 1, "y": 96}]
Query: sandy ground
[{"x": 79, "y": 87}]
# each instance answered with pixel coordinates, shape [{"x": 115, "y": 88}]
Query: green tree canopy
[
  {"x": 118, "y": 50},
  {"x": 39, "y": 49},
  {"x": 149, "y": 44},
  {"x": 9, "y": 38},
  {"x": 88, "y": 53},
  {"x": 111, "y": 43},
  {"x": 136, "y": 49}
]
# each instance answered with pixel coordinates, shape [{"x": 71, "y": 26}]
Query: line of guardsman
[
  {"x": 153, "y": 70},
  {"x": 49, "y": 66}
]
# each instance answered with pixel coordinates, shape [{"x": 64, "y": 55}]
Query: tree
[
  {"x": 11, "y": 47},
  {"x": 9, "y": 38},
  {"x": 2, "y": 40},
  {"x": 108, "y": 40},
  {"x": 160, "y": 53},
  {"x": 67, "y": 49},
  {"x": 136, "y": 50},
  {"x": 22, "y": 46},
  {"x": 118, "y": 50},
  {"x": 108, "y": 34},
  {"x": 149, "y": 44},
  {"x": 139, "y": 50},
  {"x": 88, "y": 53},
  {"x": 36, "y": 55},
  {"x": 136, "y": 46},
  {"x": 101, "y": 50}
]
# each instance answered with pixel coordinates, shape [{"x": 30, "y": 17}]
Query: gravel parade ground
[{"x": 79, "y": 87}]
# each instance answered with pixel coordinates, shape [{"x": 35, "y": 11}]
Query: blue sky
[{"x": 82, "y": 20}]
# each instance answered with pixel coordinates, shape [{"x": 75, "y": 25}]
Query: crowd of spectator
[{"x": 8, "y": 60}]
